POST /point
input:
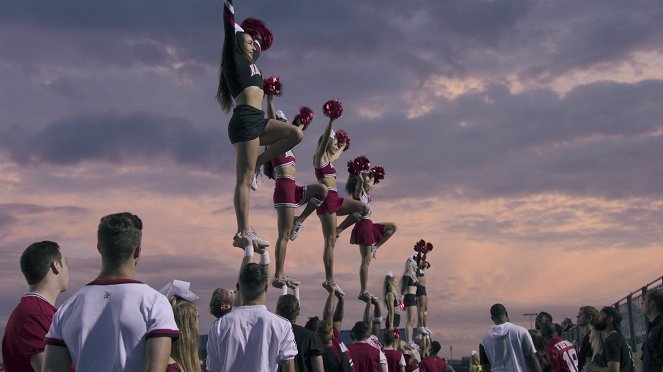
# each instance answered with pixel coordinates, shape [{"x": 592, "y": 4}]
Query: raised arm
[
  {"x": 56, "y": 358},
  {"x": 157, "y": 351},
  {"x": 271, "y": 110},
  {"x": 338, "y": 313},
  {"x": 322, "y": 147},
  {"x": 377, "y": 317},
  {"x": 327, "y": 311}
]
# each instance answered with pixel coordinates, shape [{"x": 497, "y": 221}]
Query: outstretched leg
[
  {"x": 315, "y": 195},
  {"x": 365, "y": 251},
  {"x": 328, "y": 222},
  {"x": 354, "y": 209},
  {"x": 279, "y": 137},
  {"x": 389, "y": 230},
  {"x": 284, "y": 221},
  {"x": 246, "y": 154}
]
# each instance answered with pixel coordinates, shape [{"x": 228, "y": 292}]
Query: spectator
[
  {"x": 116, "y": 322},
  {"x": 563, "y": 355},
  {"x": 365, "y": 357},
  {"x": 541, "y": 351},
  {"x": 586, "y": 317},
  {"x": 250, "y": 338},
  {"x": 615, "y": 354},
  {"x": 395, "y": 359},
  {"x": 47, "y": 273},
  {"x": 541, "y": 318},
  {"x": 184, "y": 353},
  {"x": 567, "y": 324},
  {"x": 475, "y": 365},
  {"x": 309, "y": 346},
  {"x": 507, "y": 346},
  {"x": 433, "y": 363},
  {"x": 222, "y": 302},
  {"x": 652, "y": 349}
]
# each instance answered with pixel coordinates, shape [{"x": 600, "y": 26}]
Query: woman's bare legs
[
  {"x": 349, "y": 208},
  {"x": 422, "y": 310},
  {"x": 284, "y": 221},
  {"x": 389, "y": 230},
  {"x": 328, "y": 222},
  {"x": 365, "y": 251},
  {"x": 315, "y": 195},
  {"x": 279, "y": 137},
  {"x": 411, "y": 310},
  {"x": 246, "y": 154}
]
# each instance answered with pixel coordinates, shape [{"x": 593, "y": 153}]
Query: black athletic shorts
[
  {"x": 421, "y": 290},
  {"x": 410, "y": 300},
  {"x": 246, "y": 124}
]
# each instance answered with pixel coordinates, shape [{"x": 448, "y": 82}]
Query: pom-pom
[
  {"x": 420, "y": 246},
  {"x": 305, "y": 117},
  {"x": 429, "y": 247},
  {"x": 378, "y": 173},
  {"x": 272, "y": 85},
  {"x": 359, "y": 164},
  {"x": 258, "y": 31},
  {"x": 333, "y": 108},
  {"x": 343, "y": 139}
]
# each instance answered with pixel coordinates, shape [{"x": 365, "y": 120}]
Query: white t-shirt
[
  {"x": 249, "y": 338},
  {"x": 504, "y": 345},
  {"x": 106, "y": 323}
]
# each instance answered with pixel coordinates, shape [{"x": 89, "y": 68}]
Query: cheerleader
[
  {"x": 330, "y": 148},
  {"x": 390, "y": 295},
  {"x": 422, "y": 248},
  {"x": 288, "y": 195},
  {"x": 365, "y": 233},
  {"x": 240, "y": 81},
  {"x": 409, "y": 292}
]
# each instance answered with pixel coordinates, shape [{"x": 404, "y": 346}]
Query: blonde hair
[
  {"x": 324, "y": 330},
  {"x": 185, "y": 349}
]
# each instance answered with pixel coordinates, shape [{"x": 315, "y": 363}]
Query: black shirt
[
  {"x": 335, "y": 360},
  {"x": 308, "y": 345},
  {"x": 652, "y": 348},
  {"x": 584, "y": 352},
  {"x": 616, "y": 349}
]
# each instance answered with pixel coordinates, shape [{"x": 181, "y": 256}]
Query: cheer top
[
  {"x": 238, "y": 71},
  {"x": 326, "y": 170},
  {"x": 366, "y": 199},
  {"x": 282, "y": 161}
]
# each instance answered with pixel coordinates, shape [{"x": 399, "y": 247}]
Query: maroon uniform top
[
  {"x": 339, "y": 345},
  {"x": 284, "y": 160},
  {"x": 563, "y": 355},
  {"x": 408, "y": 367},
  {"x": 327, "y": 170},
  {"x": 394, "y": 358},
  {"x": 26, "y": 328},
  {"x": 365, "y": 357},
  {"x": 433, "y": 363}
]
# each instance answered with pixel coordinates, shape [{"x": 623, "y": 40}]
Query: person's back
[
  {"x": 433, "y": 363},
  {"x": 563, "y": 354},
  {"x": 47, "y": 274},
  {"x": 503, "y": 344},
  {"x": 365, "y": 356},
  {"x": 115, "y": 322},
  {"x": 395, "y": 359}
]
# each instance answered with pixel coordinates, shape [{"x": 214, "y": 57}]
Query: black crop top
[{"x": 238, "y": 71}]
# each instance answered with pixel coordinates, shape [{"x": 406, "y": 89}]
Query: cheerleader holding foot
[
  {"x": 366, "y": 234},
  {"x": 240, "y": 80},
  {"x": 288, "y": 195},
  {"x": 409, "y": 291},
  {"x": 422, "y": 248},
  {"x": 330, "y": 147}
]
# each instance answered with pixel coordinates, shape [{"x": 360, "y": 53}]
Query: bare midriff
[{"x": 251, "y": 96}]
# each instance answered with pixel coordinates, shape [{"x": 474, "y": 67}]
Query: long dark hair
[{"x": 351, "y": 185}]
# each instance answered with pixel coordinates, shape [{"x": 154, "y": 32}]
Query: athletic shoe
[
  {"x": 365, "y": 296},
  {"x": 296, "y": 225},
  {"x": 254, "y": 182},
  {"x": 333, "y": 285},
  {"x": 251, "y": 234},
  {"x": 241, "y": 240},
  {"x": 424, "y": 331},
  {"x": 291, "y": 282},
  {"x": 374, "y": 251},
  {"x": 278, "y": 281}
]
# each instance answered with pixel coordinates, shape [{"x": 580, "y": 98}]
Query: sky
[{"x": 523, "y": 138}]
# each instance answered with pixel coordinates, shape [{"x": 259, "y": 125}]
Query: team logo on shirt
[{"x": 254, "y": 70}]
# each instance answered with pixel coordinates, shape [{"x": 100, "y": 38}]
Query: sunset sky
[{"x": 523, "y": 138}]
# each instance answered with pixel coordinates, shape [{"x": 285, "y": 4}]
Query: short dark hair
[
  {"x": 389, "y": 337},
  {"x": 36, "y": 260},
  {"x": 288, "y": 307},
  {"x": 656, "y": 295},
  {"x": 548, "y": 330},
  {"x": 119, "y": 236},
  {"x": 498, "y": 309},
  {"x": 253, "y": 277},
  {"x": 360, "y": 331},
  {"x": 312, "y": 323},
  {"x": 435, "y": 347},
  {"x": 541, "y": 318}
]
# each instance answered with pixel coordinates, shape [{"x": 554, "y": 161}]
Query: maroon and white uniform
[
  {"x": 332, "y": 202},
  {"x": 365, "y": 357},
  {"x": 338, "y": 343},
  {"x": 433, "y": 363},
  {"x": 365, "y": 232},
  {"x": 563, "y": 355},
  {"x": 287, "y": 193},
  {"x": 395, "y": 360},
  {"x": 408, "y": 367},
  {"x": 25, "y": 332}
]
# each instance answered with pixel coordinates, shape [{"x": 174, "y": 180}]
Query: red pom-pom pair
[
  {"x": 358, "y": 165},
  {"x": 258, "y": 31},
  {"x": 272, "y": 85},
  {"x": 305, "y": 117}
]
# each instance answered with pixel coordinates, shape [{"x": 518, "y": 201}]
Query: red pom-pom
[
  {"x": 333, "y": 108},
  {"x": 258, "y": 31},
  {"x": 305, "y": 117},
  {"x": 343, "y": 139},
  {"x": 272, "y": 85},
  {"x": 378, "y": 173},
  {"x": 429, "y": 247},
  {"x": 359, "y": 164},
  {"x": 420, "y": 246}
]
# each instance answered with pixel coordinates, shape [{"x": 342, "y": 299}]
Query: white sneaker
[
  {"x": 291, "y": 282},
  {"x": 251, "y": 234},
  {"x": 423, "y": 331},
  {"x": 333, "y": 285},
  {"x": 364, "y": 296},
  {"x": 374, "y": 251},
  {"x": 254, "y": 182},
  {"x": 296, "y": 225}
]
